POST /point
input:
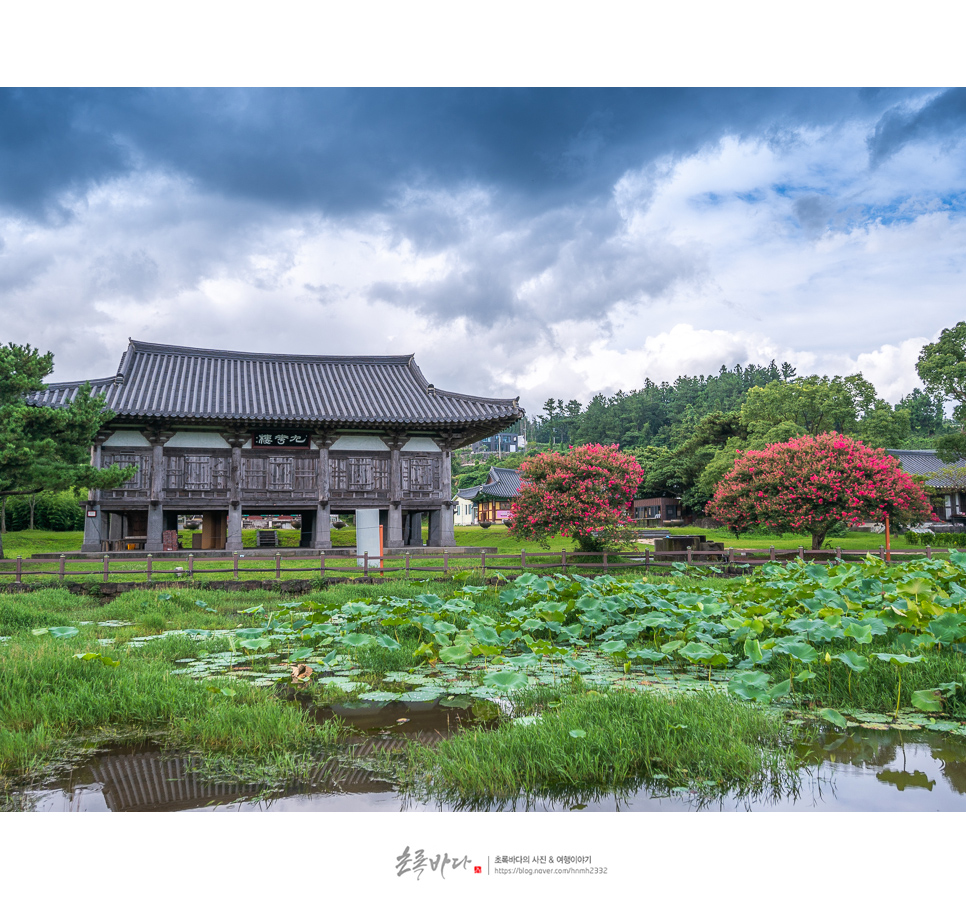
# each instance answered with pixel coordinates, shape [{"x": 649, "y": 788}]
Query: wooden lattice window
[
  {"x": 197, "y": 473},
  {"x": 280, "y": 474},
  {"x": 305, "y": 474},
  {"x": 338, "y": 474},
  {"x": 361, "y": 477},
  {"x": 420, "y": 474},
  {"x": 219, "y": 472},
  {"x": 174, "y": 472},
  {"x": 253, "y": 473},
  {"x": 125, "y": 461}
]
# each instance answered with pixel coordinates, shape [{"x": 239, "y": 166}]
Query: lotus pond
[
  {"x": 860, "y": 769},
  {"x": 842, "y": 655}
]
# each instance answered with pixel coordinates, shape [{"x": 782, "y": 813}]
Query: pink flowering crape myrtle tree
[
  {"x": 586, "y": 493},
  {"x": 810, "y": 483}
]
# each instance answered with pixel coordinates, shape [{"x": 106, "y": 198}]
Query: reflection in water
[{"x": 858, "y": 770}]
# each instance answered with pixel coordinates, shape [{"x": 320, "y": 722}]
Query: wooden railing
[{"x": 163, "y": 568}]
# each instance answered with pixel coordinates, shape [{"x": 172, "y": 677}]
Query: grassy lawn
[
  {"x": 496, "y": 540},
  {"x": 848, "y": 541},
  {"x": 27, "y": 542}
]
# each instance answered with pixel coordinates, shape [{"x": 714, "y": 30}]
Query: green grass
[
  {"x": 610, "y": 739},
  {"x": 27, "y": 542},
  {"x": 876, "y": 689},
  {"x": 495, "y": 539},
  {"x": 49, "y": 699},
  {"x": 851, "y": 541}
]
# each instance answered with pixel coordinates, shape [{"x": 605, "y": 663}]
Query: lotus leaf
[
  {"x": 505, "y": 680},
  {"x": 833, "y": 716},
  {"x": 928, "y": 700}
]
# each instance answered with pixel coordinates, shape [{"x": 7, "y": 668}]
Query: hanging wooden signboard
[{"x": 287, "y": 440}]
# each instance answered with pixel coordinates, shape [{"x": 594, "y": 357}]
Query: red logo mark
[{"x": 478, "y": 870}]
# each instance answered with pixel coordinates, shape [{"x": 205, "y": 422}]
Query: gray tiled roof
[
  {"x": 173, "y": 382},
  {"x": 924, "y": 463},
  {"x": 501, "y": 483}
]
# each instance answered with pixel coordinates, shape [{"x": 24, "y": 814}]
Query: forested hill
[
  {"x": 686, "y": 434},
  {"x": 648, "y": 415}
]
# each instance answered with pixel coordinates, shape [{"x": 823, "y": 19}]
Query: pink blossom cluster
[
  {"x": 809, "y": 483},
  {"x": 585, "y": 493}
]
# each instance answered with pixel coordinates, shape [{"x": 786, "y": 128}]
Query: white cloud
[{"x": 691, "y": 264}]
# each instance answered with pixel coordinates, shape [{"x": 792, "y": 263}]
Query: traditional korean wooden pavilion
[{"x": 216, "y": 432}]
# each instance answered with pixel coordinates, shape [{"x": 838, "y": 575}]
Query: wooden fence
[{"x": 162, "y": 568}]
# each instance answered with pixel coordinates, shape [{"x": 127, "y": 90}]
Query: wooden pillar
[
  {"x": 395, "y": 440},
  {"x": 322, "y": 539},
  {"x": 414, "y": 533},
  {"x": 115, "y": 526},
  {"x": 435, "y": 535},
  {"x": 233, "y": 536},
  {"x": 95, "y": 531},
  {"x": 155, "y": 540},
  {"x": 446, "y": 524},
  {"x": 157, "y": 439},
  {"x": 443, "y": 530},
  {"x": 95, "y": 528}
]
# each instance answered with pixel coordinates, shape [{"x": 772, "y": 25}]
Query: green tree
[
  {"x": 552, "y": 407},
  {"x": 42, "y": 447},
  {"x": 942, "y": 368},
  {"x": 813, "y": 405},
  {"x": 926, "y": 416},
  {"x": 811, "y": 483}
]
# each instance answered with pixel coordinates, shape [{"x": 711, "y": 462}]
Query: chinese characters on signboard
[{"x": 285, "y": 439}]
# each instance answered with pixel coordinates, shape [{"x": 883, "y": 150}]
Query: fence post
[
  {"x": 483, "y": 564},
  {"x": 19, "y": 568},
  {"x": 605, "y": 560},
  {"x": 191, "y": 565},
  {"x": 928, "y": 552},
  {"x": 322, "y": 565},
  {"x": 523, "y": 560},
  {"x": 365, "y": 563},
  {"x": 563, "y": 561},
  {"x": 838, "y": 553},
  {"x": 62, "y": 557},
  {"x": 278, "y": 566},
  {"x": 689, "y": 555},
  {"x": 445, "y": 562},
  {"x": 882, "y": 553},
  {"x": 234, "y": 559},
  {"x": 150, "y": 563},
  {"x": 731, "y": 555},
  {"x": 407, "y": 565},
  {"x": 647, "y": 560},
  {"x": 106, "y": 568},
  {"x": 801, "y": 553},
  {"x": 771, "y": 553}
]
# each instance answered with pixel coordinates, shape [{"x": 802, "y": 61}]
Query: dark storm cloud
[
  {"x": 49, "y": 144},
  {"x": 945, "y": 115},
  {"x": 350, "y": 151},
  {"x": 572, "y": 264}
]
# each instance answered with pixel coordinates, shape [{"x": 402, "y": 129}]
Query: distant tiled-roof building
[
  {"x": 214, "y": 432},
  {"x": 949, "y": 480},
  {"x": 494, "y": 497}
]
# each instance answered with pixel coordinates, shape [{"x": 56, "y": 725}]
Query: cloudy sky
[{"x": 521, "y": 242}]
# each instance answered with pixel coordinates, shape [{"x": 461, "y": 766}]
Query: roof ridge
[
  {"x": 93, "y": 381},
  {"x": 158, "y": 348},
  {"x": 512, "y": 400}
]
